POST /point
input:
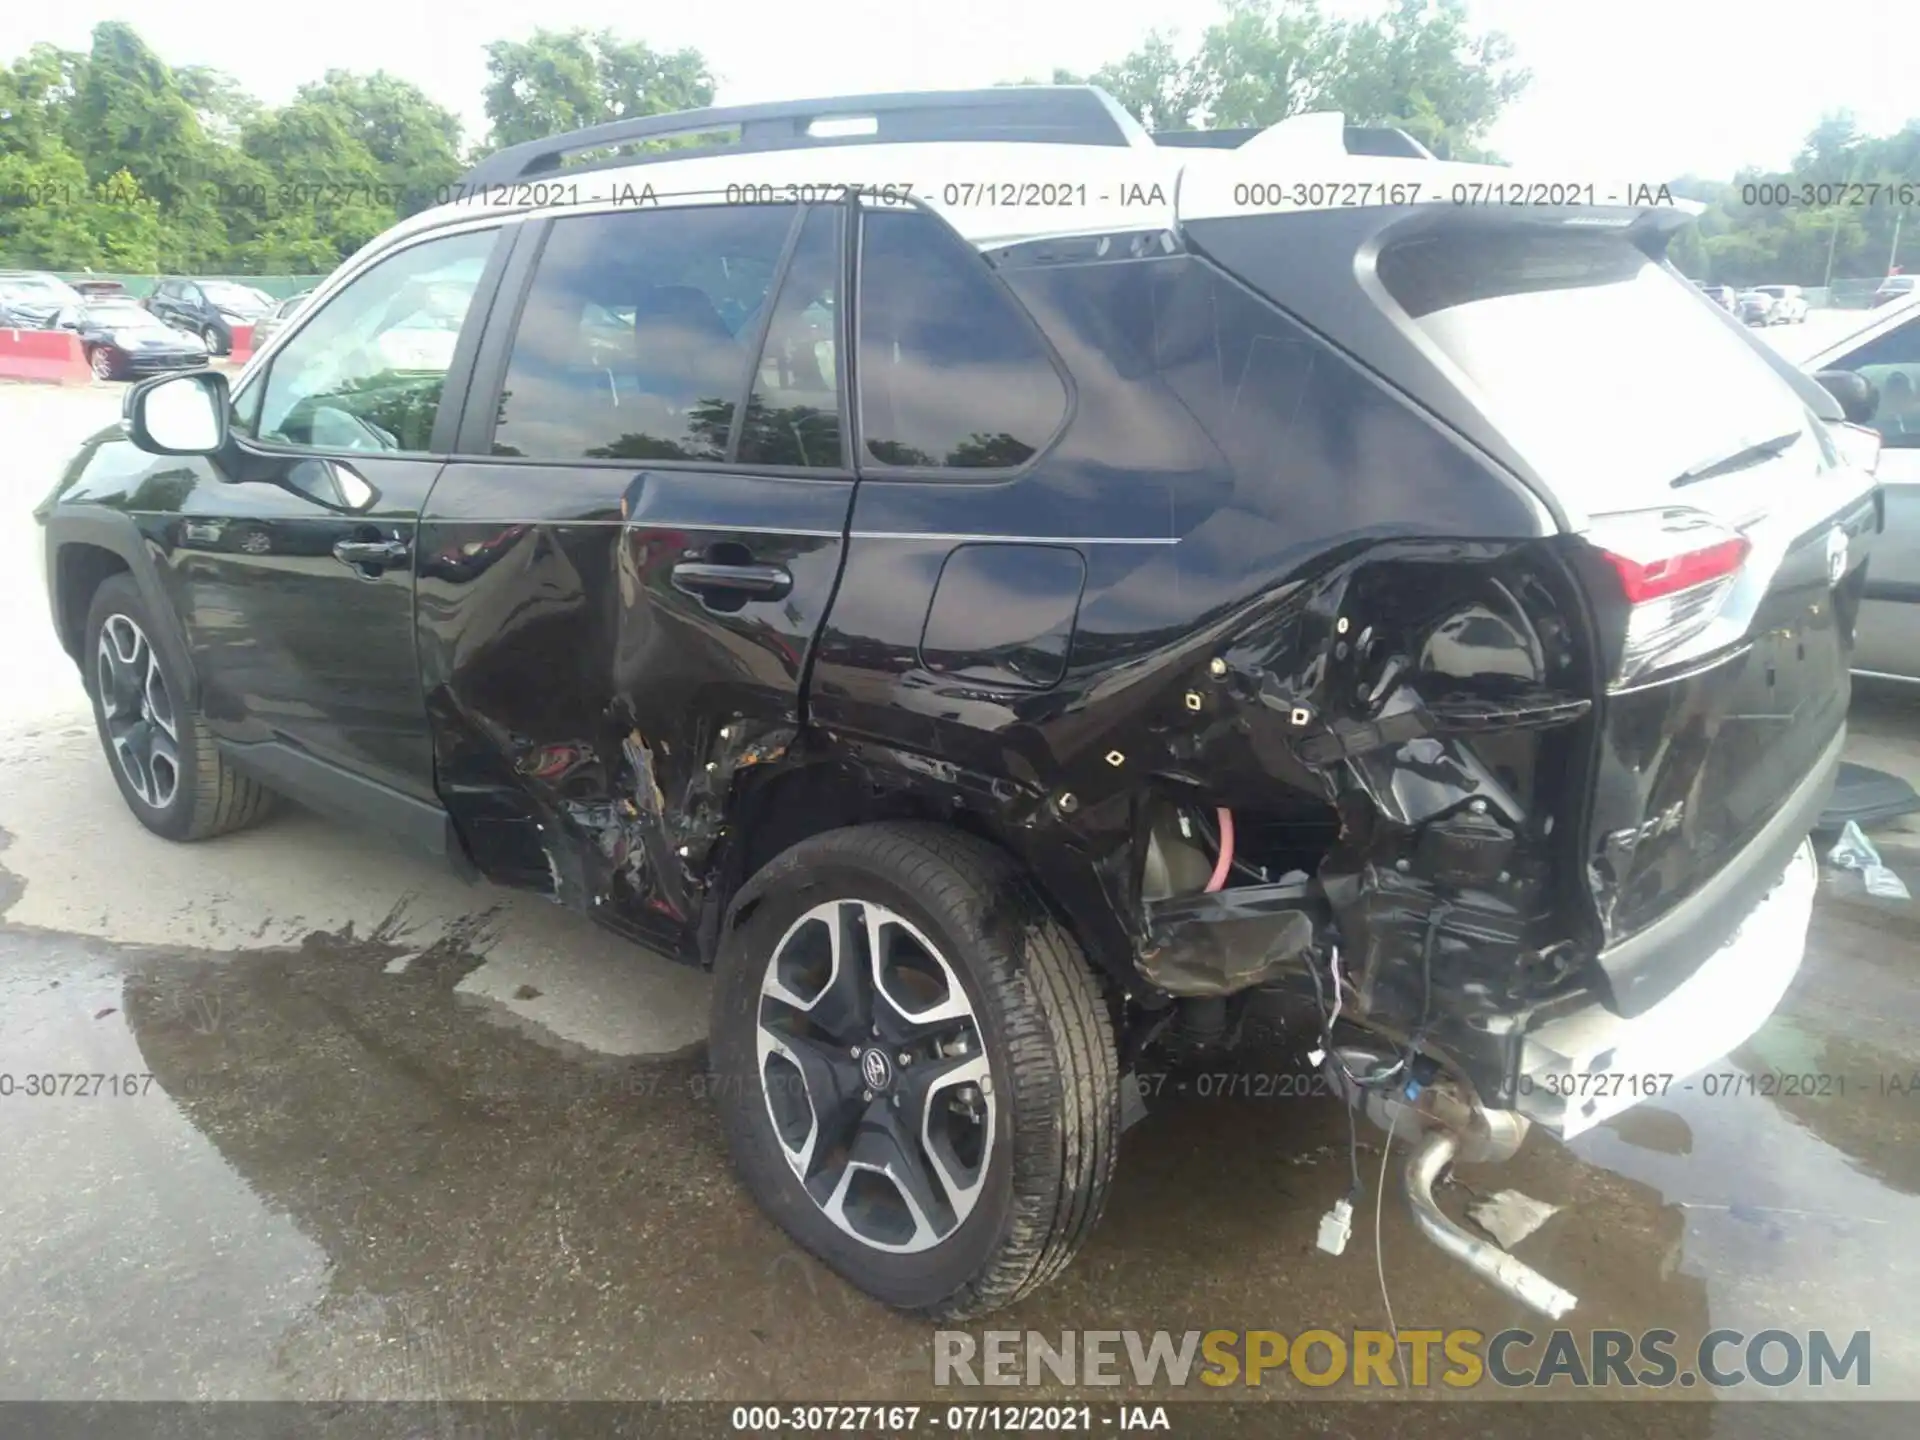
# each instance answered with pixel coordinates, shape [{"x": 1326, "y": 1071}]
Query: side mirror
[
  {"x": 179, "y": 414},
  {"x": 1859, "y": 397},
  {"x": 331, "y": 483}
]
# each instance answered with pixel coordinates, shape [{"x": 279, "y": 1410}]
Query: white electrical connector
[{"x": 1336, "y": 1227}]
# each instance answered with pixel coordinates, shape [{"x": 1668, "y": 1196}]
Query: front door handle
[
  {"x": 370, "y": 557},
  {"x": 747, "y": 582}
]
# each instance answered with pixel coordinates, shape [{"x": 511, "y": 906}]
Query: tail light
[{"x": 1676, "y": 570}]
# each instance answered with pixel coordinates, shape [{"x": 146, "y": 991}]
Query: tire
[
  {"x": 210, "y": 338},
  {"x": 101, "y": 361},
  {"x": 1042, "y": 1123},
  {"x": 162, "y": 756}
]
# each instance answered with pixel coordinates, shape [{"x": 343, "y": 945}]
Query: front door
[
  {"x": 294, "y": 578},
  {"x": 623, "y": 571}
]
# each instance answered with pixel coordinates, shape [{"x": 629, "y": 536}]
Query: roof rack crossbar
[{"x": 1056, "y": 114}]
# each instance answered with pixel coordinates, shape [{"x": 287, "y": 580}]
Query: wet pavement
[{"x": 373, "y": 1134}]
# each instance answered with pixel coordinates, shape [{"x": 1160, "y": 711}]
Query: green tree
[
  {"x": 55, "y": 216},
  {"x": 1419, "y": 67},
  {"x": 1157, "y": 87},
  {"x": 129, "y": 115},
  {"x": 566, "y": 80},
  {"x": 326, "y": 199},
  {"x": 414, "y": 141},
  {"x": 1263, "y": 62},
  {"x": 1832, "y": 214},
  {"x": 219, "y": 102}
]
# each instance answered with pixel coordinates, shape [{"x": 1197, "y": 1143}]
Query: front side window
[
  {"x": 952, "y": 375},
  {"x": 367, "y": 371},
  {"x": 1892, "y": 362},
  {"x": 637, "y": 333}
]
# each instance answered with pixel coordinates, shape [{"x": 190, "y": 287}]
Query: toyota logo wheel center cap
[{"x": 876, "y": 1069}]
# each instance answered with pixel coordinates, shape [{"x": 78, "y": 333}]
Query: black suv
[{"x": 1000, "y": 618}]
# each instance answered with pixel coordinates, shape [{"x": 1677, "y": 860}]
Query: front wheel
[
  {"x": 171, "y": 774},
  {"x": 210, "y": 338},
  {"x": 914, "y": 1066},
  {"x": 103, "y": 363}
]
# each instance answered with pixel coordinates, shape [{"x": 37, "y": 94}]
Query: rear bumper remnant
[{"x": 1578, "y": 1069}]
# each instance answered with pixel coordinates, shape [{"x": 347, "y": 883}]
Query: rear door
[
  {"x": 1889, "y": 635},
  {"x": 623, "y": 570}
]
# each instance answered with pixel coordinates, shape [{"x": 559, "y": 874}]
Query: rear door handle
[
  {"x": 753, "y": 582},
  {"x": 372, "y": 556}
]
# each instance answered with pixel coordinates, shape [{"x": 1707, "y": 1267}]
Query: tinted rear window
[
  {"x": 1593, "y": 359},
  {"x": 952, "y": 375}
]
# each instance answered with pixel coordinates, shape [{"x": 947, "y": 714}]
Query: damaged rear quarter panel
[{"x": 1241, "y": 492}]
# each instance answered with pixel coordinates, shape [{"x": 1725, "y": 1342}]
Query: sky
[{"x": 1629, "y": 90}]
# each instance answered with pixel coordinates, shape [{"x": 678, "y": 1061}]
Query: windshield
[
  {"x": 39, "y": 290},
  {"x": 1591, "y": 357},
  {"x": 123, "y": 317},
  {"x": 222, "y": 292}
]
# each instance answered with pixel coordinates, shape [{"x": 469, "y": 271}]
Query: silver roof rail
[{"x": 1034, "y": 114}]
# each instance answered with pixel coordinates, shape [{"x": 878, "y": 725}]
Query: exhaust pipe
[{"x": 1485, "y": 1259}]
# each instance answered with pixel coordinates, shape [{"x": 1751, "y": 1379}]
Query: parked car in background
[
  {"x": 1789, "y": 304},
  {"x": 1885, "y": 348},
  {"x": 29, "y": 299},
  {"x": 1725, "y": 296},
  {"x": 1896, "y": 287},
  {"x": 209, "y": 309},
  {"x": 1754, "y": 307},
  {"x": 265, "y": 327},
  {"x": 122, "y": 340}
]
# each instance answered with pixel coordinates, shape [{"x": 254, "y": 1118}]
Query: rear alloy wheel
[
  {"x": 210, "y": 338},
  {"x": 171, "y": 774},
  {"x": 879, "y": 1101},
  {"x": 105, "y": 366},
  {"x": 915, "y": 1069}
]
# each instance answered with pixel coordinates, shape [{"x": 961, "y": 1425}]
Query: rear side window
[
  {"x": 1892, "y": 362},
  {"x": 952, "y": 374},
  {"x": 1591, "y": 357},
  {"x": 793, "y": 412},
  {"x": 636, "y": 335}
]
